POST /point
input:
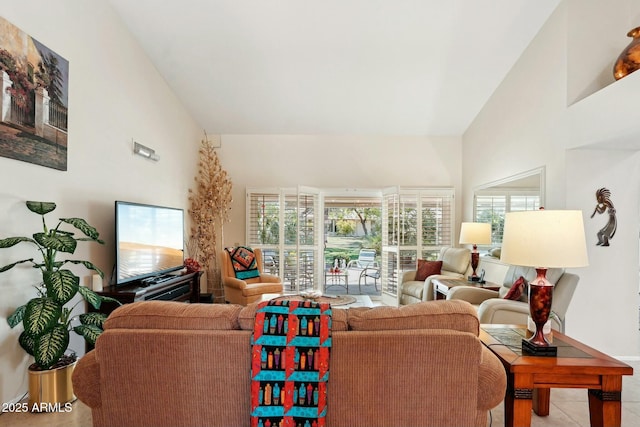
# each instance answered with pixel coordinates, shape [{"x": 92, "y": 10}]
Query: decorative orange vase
[{"x": 629, "y": 59}]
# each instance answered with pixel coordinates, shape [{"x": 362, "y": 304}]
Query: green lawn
[{"x": 343, "y": 247}]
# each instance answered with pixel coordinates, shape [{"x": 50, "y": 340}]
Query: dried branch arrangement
[{"x": 210, "y": 203}]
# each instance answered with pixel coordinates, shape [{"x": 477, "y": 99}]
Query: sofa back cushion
[
  {"x": 174, "y": 315},
  {"x": 404, "y": 378},
  {"x": 160, "y": 377},
  {"x": 455, "y": 260},
  {"x": 452, "y": 314}
]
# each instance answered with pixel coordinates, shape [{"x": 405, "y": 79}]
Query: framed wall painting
[{"x": 34, "y": 82}]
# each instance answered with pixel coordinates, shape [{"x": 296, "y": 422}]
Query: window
[{"x": 491, "y": 206}]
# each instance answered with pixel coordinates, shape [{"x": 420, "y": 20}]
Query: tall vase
[
  {"x": 540, "y": 297},
  {"x": 629, "y": 59}
]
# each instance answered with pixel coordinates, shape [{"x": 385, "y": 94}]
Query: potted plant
[{"x": 47, "y": 318}]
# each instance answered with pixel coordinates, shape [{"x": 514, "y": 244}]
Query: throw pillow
[
  {"x": 516, "y": 289},
  {"x": 244, "y": 262},
  {"x": 427, "y": 268}
]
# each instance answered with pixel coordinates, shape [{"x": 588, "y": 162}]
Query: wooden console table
[
  {"x": 441, "y": 286},
  {"x": 530, "y": 379}
]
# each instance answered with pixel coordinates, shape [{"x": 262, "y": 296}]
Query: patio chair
[
  {"x": 366, "y": 258},
  {"x": 373, "y": 272}
]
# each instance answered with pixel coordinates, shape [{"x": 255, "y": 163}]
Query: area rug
[{"x": 291, "y": 342}]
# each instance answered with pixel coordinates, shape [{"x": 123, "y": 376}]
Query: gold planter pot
[{"x": 51, "y": 389}]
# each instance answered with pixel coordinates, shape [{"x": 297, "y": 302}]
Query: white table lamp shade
[
  {"x": 475, "y": 233},
  {"x": 544, "y": 238}
]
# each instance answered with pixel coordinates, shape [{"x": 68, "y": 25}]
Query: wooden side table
[
  {"x": 530, "y": 379},
  {"x": 441, "y": 286}
]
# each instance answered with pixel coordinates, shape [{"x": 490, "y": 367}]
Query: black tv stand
[
  {"x": 171, "y": 287},
  {"x": 156, "y": 280}
]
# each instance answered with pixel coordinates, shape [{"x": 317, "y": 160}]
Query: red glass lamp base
[{"x": 540, "y": 297}]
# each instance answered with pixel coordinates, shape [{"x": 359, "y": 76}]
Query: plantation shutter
[
  {"x": 263, "y": 220},
  {"x": 437, "y": 222},
  {"x": 390, "y": 239},
  {"x": 419, "y": 222},
  {"x": 310, "y": 260},
  {"x": 282, "y": 222}
]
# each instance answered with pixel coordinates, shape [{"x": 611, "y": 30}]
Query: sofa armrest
[
  {"x": 472, "y": 294},
  {"x": 492, "y": 381},
  {"x": 427, "y": 294},
  {"x": 86, "y": 380},
  {"x": 408, "y": 276},
  {"x": 232, "y": 282},
  {"x": 269, "y": 278},
  {"x": 505, "y": 311}
]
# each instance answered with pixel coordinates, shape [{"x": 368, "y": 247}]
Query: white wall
[
  {"x": 527, "y": 124},
  {"x": 115, "y": 96},
  {"x": 596, "y": 34},
  {"x": 335, "y": 162},
  {"x": 605, "y": 305}
]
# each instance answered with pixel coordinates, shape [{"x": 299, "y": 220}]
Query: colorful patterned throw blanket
[
  {"x": 290, "y": 364},
  {"x": 244, "y": 262}
]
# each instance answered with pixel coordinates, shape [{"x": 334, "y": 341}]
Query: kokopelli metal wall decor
[{"x": 606, "y": 233}]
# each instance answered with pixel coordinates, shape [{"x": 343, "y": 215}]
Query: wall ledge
[{"x": 607, "y": 119}]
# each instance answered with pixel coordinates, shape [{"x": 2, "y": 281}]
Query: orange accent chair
[{"x": 243, "y": 292}]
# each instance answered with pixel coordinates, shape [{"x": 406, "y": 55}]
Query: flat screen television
[{"x": 149, "y": 242}]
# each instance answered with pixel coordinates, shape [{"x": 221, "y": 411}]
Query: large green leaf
[
  {"x": 17, "y": 316},
  {"x": 51, "y": 345},
  {"x": 87, "y": 264},
  {"x": 62, "y": 285},
  {"x": 109, "y": 299},
  {"x": 10, "y": 266},
  {"x": 27, "y": 342},
  {"x": 63, "y": 242},
  {"x": 89, "y": 332},
  {"x": 12, "y": 241},
  {"x": 91, "y": 297},
  {"x": 96, "y": 319},
  {"x": 83, "y": 226},
  {"x": 41, "y": 208},
  {"x": 41, "y": 315}
]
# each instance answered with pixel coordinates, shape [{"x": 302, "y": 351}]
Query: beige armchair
[
  {"x": 493, "y": 308},
  {"x": 243, "y": 292},
  {"x": 456, "y": 263}
]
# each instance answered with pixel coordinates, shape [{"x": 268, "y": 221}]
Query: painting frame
[{"x": 34, "y": 83}]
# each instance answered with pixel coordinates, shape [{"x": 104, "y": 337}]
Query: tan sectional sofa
[{"x": 163, "y": 363}]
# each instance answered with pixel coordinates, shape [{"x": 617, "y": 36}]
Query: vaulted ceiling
[{"x": 385, "y": 67}]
